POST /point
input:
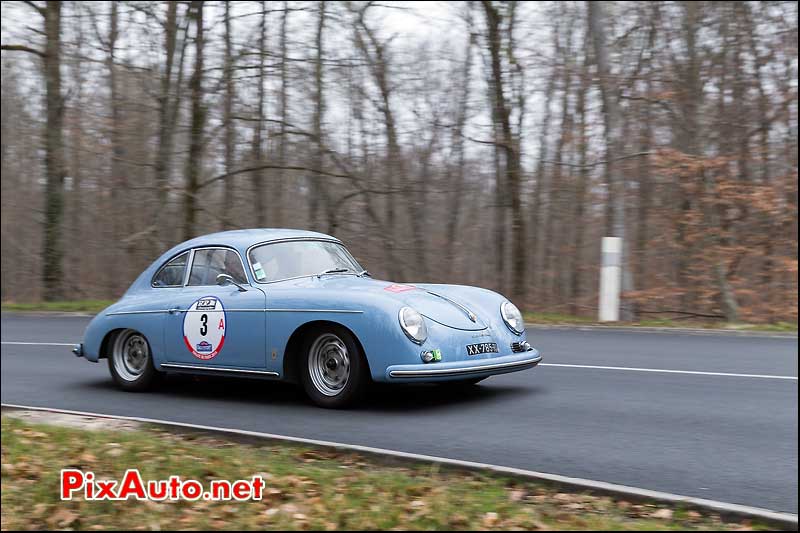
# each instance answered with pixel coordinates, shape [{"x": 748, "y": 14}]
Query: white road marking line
[
  {"x": 563, "y": 365},
  {"x": 787, "y": 520},
  {"x": 40, "y": 343},
  {"x": 667, "y": 371}
]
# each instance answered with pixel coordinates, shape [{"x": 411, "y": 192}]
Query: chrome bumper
[{"x": 498, "y": 365}]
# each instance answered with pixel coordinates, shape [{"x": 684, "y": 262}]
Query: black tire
[
  {"x": 322, "y": 368},
  {"x": 137, "y": 372}
]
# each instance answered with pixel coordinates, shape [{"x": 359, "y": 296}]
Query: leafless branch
[{"x": 22, "y": 48}]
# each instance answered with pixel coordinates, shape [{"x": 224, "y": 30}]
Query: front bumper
[{"x": 464, "y": 369}]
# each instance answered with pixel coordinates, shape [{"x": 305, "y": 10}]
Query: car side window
[
  {"x": 211, "y": 262},
  {"x": 171, "y": 274}
]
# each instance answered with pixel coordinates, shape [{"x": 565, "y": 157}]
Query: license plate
[{"x": 484, "y": 347}]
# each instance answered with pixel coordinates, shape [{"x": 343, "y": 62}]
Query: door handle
[{"x": 174, "y": 310}]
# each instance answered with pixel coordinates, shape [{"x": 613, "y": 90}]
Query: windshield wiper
[
  {"x": 364, "y": 273},
  {"x": 334, "y": 271}
]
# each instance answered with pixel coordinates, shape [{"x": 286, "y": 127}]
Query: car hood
[{"x": 434, "y": 303}]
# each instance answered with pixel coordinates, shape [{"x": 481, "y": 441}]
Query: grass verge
[
  {"x": 71, "y": 306},
  {"x": 307, "y": 488},
  {"x": 564, "y": 319}
]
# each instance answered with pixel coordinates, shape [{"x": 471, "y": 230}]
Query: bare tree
[
  {"x": 509, "y": 143},
  {"x": 118, "y": 182},
  {"x": 555, "y": 184},
  {"x": 284, "y": 117},
  {"x": 230, "y": 127},
  {"x": 374, "y": 52},
  {"x": 194, "y": 161},
  {"x": 582, "y": 184},
  {"x": 55, "y": 171},
  {"x": 257, "y": 175},
  {"x": 167, "y": 109},
  {"x": 319, "y": 191},
  {"x": 457, "y": 137}
]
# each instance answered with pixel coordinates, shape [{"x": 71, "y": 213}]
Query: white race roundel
[{"x": 204, "y": 327}]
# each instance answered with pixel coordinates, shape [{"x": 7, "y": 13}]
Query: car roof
[
  {"x": 244, "y": 238},
  {"x": 239, "y": 239}
]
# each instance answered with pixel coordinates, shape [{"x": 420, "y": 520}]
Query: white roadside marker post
[{"x": 610, "y": 279}]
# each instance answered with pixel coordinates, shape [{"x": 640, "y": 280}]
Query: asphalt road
[{"x": 724, "y": 437}]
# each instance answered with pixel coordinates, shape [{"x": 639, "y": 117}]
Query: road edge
[
  {"x": 533, "y": 326},
  {"x": 50, "y": 314},
  {"x": 654, "y": 329},
  {"x": 775, "y": 518}
]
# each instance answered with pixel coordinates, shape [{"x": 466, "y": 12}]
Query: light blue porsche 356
[{"x": 295, "y": 305}]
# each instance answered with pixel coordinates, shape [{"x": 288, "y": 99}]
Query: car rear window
[{"x": 171, "y": 274}]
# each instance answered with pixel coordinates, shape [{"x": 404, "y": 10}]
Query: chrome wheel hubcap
[
  {"x": 131, "y": 355},
  {"x": 329, "y": 364}
]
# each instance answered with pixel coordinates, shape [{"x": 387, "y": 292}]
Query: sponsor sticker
[
  {"x": 399, "y": 288},
  {"x": 204, "y": 326},
  {"x": 204, "y": 346}
]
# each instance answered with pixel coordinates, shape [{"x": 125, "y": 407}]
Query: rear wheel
[
  {"x": 334, "y": 372},
  {"x": 131, "y": 361}
]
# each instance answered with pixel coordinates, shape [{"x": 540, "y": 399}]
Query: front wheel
[
  {"x": 131, "y": 362},
  {"x": 334, "y": 372}
]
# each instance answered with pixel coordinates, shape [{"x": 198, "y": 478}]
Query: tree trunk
[
  {"x": 75, "y": 140},
  {"x": 727, "y": 298},
  {"x": 284, "y": 95},
  {"x": 765, "y": 124},
  {"x": 555, "y": 186},
  {"x": 578, "y": 221},
  {"x": 318, "y": 192},
  {"x": 230, "y": 131},
  {"x": 117, "y": 182},
  {"x": 194, "y": 164},
  {"x": 457, "y": 140},
  {"x": 166, "y": 116},
  {"x": 257, "y": 176},
  {"x": 541, "y": 185},
  {"x": 645, "y": 195},
  {"x": 500, "y": 217},
  {"x": 52, "y": 252},
  {"x": 512, "y": 159},
  {"x": 687, "y": 135}
]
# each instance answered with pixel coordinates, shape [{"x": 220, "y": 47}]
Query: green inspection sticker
[
  {"x": 260, "y": 275},
  {"x": 437, "y": 355}
]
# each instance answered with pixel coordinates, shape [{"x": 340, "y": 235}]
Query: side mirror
[{"x": 225, "y": 279}]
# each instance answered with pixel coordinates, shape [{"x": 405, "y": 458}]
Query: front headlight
[
  {"x": 413, "y": 325},
  {"x": 512, "y": 317}
]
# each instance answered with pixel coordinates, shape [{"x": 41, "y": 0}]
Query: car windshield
[{"x": 293, "y": 259}]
